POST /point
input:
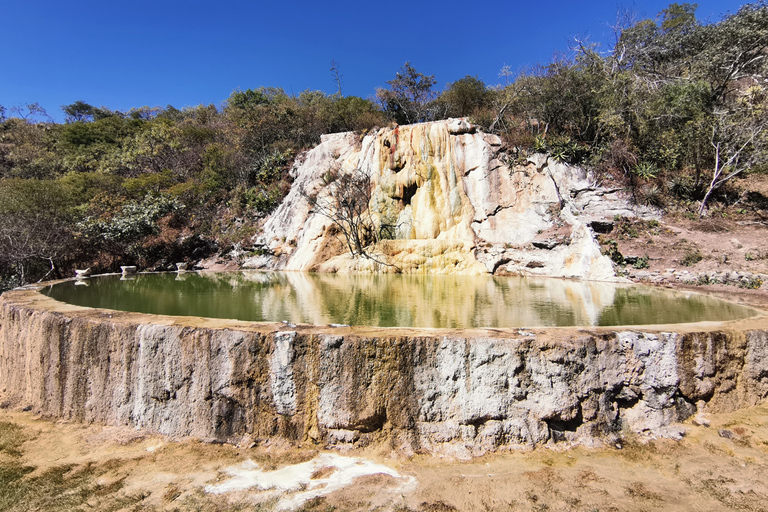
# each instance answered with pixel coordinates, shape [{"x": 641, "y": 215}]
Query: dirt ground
[
  {"x": 69, "y": 466},
  {"x": 721, "y": 244},
  {"x": 733, "y": 237}
]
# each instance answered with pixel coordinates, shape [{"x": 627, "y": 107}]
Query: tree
[
  {"x": 739, "y": 139},
  {"x": 351, "y": 113},
  {"x": 409, "y": 96},
  {"x": 345, "y": 202},
  {"x": 34, "y": 229},
  {"x": 465, "y": 97},
  {"x": 337, "y": 77},
  {"x": 734, "y": 50},
  {"x": 31, "y": 113},
  {"x": 78, "y": 111}
]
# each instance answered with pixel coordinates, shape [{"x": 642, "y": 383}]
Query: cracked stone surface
[{"x": 453, "y": 392}]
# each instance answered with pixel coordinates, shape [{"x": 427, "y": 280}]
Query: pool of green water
[{"x": 387, "y": 300}]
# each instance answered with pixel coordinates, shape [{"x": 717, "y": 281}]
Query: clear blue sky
[{"x": 123, "y": 54}]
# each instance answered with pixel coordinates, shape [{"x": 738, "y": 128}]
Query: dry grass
[{"x": 94, "y": 473}]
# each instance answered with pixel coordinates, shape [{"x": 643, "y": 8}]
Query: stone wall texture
[{"x": 421, "y": 391}]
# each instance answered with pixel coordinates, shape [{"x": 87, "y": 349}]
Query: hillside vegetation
[{"x": 675, "y": 113}]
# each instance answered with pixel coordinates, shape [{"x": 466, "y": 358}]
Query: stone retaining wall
[{"x": 462, "y": 393}]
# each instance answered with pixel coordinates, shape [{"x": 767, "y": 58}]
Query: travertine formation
[
  {"x": 454, "y": 204},
  {"x": 461, "y": 393},
  {"x": 457, "y": 207}
]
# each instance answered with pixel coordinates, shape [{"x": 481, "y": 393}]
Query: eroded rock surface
[
  {"x": 460, "y": 394},
  {"x": 452, "y": 203}
]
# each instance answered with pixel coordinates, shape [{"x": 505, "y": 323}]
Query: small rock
[
  {"x": 459, "y": 126},
  {"x": 726, "y": 434},
  {"x": 671, "y": 432},
  {"x": 548, "y": 244},
  {"x": 700, "y": 420}
]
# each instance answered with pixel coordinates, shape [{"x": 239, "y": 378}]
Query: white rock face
[
  {"x": 447, "y": 182},
  {"x": 461, "y": 395},
  {"x": 281, "y": 375}
]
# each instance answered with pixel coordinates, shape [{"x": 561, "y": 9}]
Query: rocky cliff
[
  {"x": 458, "y": 392},
  {"x": 453, "y": 202}
]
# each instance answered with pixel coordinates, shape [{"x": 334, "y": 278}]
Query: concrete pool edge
[{"x": 461, "y": 392}]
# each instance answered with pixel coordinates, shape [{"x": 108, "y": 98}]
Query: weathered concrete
[{"x": 459, "y": 392}]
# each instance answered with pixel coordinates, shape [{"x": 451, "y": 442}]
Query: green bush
[
  {"x": 132, "y": 222},
  {"x": 642, "y": 262}
]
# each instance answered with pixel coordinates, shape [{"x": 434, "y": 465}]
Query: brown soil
[
  {"x": 722, "y": 244},
  {"x": 729, "y": 238},
  {"x": 719, "y": 467}
]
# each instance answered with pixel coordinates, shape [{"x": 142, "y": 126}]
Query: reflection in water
[{"x": 387, "y": 300}]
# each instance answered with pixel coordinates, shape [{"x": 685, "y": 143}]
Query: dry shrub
[
  {"x": 437, "y": 506},
  {"x": 639, "y": 490}
]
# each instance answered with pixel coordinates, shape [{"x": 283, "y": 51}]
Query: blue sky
[{"x": 124, "y": 54}]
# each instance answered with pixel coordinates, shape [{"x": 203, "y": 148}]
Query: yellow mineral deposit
[{"x": 446, "y": 201}]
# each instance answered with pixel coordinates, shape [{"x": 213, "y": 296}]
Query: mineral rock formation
[
  {"x": 454, "y": 204},
  {"x": 457, "y": 393}
]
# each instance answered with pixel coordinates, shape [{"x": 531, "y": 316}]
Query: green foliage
[
  {"x": 653, "y": 196},
  {"x": 465, "y": 97},
  {"x": 131, "y": 223},
  {"x": 675, "y": 99},
  {"x": 78, "y": 111},
  {"x": 409, "y": 95},
  {"x": 27, "y": 150},
  {"x": 641, "y": 262},
  {"x": 624, "y": 228},
  {"x": 352, "y": 113},
  {"x": 256, "y": 200},
  {"x": 683, "y": 187},
  {"x": 564, "y": 149},
  {"x": 148, "y": 183},
  {"x": 269, "y": 167},
  {"x": 35, "y": 220},
  {"x": 611, "y": 249},
  {"x": 646, "y": 170},
  {"x": 82, "y": 187}
]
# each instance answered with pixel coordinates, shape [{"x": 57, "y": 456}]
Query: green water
[{"x": 386, "y": 300}]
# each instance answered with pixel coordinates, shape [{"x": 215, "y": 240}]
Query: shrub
[
  {"x": 132, "y": 222},
  {"x": 645, "y": 170},
  {"x": 641, "y": 262},
  {"x": 691, "y": 258},
  {"x": 751, "y": 283}
]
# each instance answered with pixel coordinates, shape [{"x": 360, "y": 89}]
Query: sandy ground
[{"x": 723, "y": 466}]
